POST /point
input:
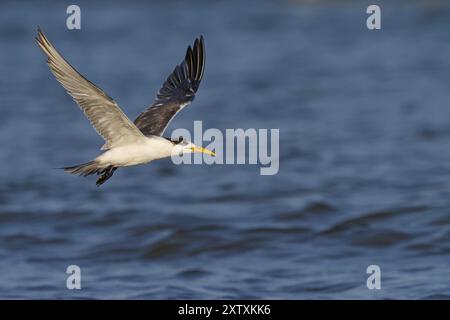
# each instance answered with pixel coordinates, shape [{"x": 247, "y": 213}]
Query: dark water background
[{"x": 364, "y": 178}]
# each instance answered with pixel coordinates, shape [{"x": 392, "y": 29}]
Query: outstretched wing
[
  {"x": 177, "y": 92},
  {"x": 103, "y": 112}
]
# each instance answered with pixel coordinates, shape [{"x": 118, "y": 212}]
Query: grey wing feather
[
  {"x": 177, "y": 91},
  {"x": 103, "y": 112}
]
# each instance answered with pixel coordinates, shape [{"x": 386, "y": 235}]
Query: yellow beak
[{"x": 203, "y": 150}]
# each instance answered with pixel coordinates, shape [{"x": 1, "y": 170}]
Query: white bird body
[{"x": 138, "y": 152}]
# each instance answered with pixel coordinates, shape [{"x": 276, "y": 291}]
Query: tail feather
[
  {"x": 86, "y": 169},
  {"x": 92, "y": 167}
]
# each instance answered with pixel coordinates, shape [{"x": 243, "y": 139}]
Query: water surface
[{"x": 364, "y": 119}]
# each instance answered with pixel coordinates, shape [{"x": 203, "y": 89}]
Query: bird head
[{"x": 183, "y": 146}]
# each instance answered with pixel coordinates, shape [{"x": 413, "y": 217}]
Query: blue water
[{"x": 364, "y": 119}]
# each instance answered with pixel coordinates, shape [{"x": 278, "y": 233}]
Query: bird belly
[{"x": 130, "y": 155}]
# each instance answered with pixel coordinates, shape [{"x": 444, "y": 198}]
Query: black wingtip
[
  {"x": 199, "y": 42},
  {"x": 194, "y": 61},
  {"x": 200, "y": 51}
]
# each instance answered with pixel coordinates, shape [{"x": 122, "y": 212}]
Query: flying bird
[{"x": 130, "y": 143}]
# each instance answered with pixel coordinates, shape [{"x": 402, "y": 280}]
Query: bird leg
[{"x": 106, "y": 174}]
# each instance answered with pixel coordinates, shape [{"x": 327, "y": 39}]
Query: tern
[{"x": 130, "y": 143}]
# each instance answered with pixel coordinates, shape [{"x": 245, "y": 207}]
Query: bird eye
[{"x": 180, "y": 139}]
